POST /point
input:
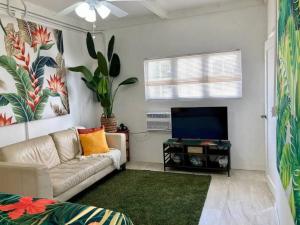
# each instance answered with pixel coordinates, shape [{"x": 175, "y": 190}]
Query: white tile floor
[{"x": 242, "y": 199}]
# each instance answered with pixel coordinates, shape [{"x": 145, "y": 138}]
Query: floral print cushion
[{"x": 15, "y": 209}]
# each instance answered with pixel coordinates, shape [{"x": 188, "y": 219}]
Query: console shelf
[{"x": 201, "y": 155}]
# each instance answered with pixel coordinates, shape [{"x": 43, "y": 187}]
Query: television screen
[{"x": 208, "y": 123}]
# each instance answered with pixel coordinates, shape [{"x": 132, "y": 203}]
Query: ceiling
[
  {"x": 174, "y": 5},
  {"x": 134, "y": 9},
  {"x": 139, "y": 11}
]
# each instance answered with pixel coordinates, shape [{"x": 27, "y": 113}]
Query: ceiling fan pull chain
[
  {"x": 94, "y": 27},
  {"x": 14, "y": 14}
]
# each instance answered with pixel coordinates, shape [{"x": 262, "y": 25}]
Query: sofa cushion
[
  {"x": 67, "y": 144},
  {"x": 39, "y": 150},
  {"x": 69, "y": 174}
]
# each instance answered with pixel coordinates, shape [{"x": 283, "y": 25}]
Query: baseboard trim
[{"x": 272, "y": 187}]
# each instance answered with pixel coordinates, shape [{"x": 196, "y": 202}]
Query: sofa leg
[{"x": 123, "y": 167}]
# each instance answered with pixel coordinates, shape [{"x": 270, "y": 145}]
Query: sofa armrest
[
  {"x": 118, "y": 141},
  {"x": 25, "y": 179}
]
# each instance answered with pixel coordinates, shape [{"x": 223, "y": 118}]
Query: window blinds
[{"x": 217, "y": 75}]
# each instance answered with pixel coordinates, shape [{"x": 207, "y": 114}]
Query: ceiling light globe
[
  {"x": 91, "y": 16},
  {"x": 103, "y": 11},
  {"x": 82, "y": 10}
]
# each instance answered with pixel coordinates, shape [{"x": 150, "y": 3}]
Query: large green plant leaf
[
  {"x": 38, "y": 68},
  {"x": 103, "y": 86},
  {"x": 48, "y": 92},
  {"x": 105, "y": 101},
  {"x": 294, "y": 139},
  {"x": 3, "y": 101},
  {"x": 97, "y": 72},
  {"x": 39, "y": 108},
  {"x": 296, "y": 194},
  {"x": 90, "y": 84},
  {"x": 59, "y": 41},
  {"x": 296, "y": 13},
  {"x": 131, "y": 80},
  {"x": 292, "y": 204},
  {"x": 115, "y": 66},
  {"x": 297, "y": 72},
  {"x": 93, "y": 84},
  {"x": 286, "y": 166},
  {"x": 22, "y": 111},
  {"x": 110, "y": 49},
  {"x": 84, "y": 70},
  {"x": 20, "y": 75},
  {"x": 103, "y": 92},
  {"x": 90, "y": 45},
  {"x": 289, "y": 60},
  {"x": 46, "y": 46},
  {"x": 285, "y": 9},
  {"x": 26, "y": 29},
  {"x": 102, "y": 64}
]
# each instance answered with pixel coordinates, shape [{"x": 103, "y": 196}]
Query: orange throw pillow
[{"x": 94, "y": 143}]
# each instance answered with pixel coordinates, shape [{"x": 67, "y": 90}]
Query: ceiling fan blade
[
  {"x": 114, "y": 9},
  {"x": 69, "y": 9}
]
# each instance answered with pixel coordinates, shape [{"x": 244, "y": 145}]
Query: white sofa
[{"x": 47, "y": 167}]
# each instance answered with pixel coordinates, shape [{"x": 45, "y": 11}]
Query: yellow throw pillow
[{"x": 94, "y": 143}]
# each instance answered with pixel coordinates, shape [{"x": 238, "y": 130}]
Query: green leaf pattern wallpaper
[
  {"x": 32, "y": 72},
  {"x": 288, "y": 101}
]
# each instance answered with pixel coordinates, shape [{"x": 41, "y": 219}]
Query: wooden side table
[{"x": 127, "y": 143}]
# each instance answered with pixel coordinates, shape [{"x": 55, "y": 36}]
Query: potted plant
[{"x": 101, "y": 82}]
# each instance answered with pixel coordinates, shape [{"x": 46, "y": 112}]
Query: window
[{"x": 217, "y": 75}]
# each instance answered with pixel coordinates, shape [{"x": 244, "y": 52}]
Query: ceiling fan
[{"x": 87, "y": 9}]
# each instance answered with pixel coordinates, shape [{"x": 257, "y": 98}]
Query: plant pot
[{"x": 110, "y": 123}]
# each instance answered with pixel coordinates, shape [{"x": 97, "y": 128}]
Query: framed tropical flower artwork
[{"x": 32, "y": 72}]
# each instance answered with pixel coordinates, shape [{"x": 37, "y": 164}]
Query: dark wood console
[{"x": 202, "y": 155}]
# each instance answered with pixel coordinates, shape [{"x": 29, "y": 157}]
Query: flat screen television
[{"x": 207, "y": 123}]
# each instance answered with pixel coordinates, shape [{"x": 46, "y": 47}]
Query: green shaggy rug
[{"x": 150, "y": 198}]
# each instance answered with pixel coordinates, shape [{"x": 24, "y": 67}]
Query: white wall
[
  {"x": 272, "y": 16},
  {"x": 281, "y": 200},
  {"x": 84, "y": 110},
  {"x": 243, "y": 29}
]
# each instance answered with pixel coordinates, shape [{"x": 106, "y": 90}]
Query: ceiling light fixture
[
  {"x": 103, "y": 11},
  {"x": 82, "y": 10},
  {"x": 91, "y": 16},
  {"x": 87, "y": 10}
]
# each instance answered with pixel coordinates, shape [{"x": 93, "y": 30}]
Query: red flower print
[
  {"x": 31, "y": 104},
  {"x": 56, "y": 85},
  {"x": 40, "y": 36},
  {"x": 19, "y": 45},
  {"x": 4, "y": 121},
  {"x": 26, "y": 205}
]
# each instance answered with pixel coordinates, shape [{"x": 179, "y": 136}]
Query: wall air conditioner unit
[{"x": 158, "y": 121}]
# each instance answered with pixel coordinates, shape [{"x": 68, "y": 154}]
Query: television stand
[{"x": 200, "y": 155}]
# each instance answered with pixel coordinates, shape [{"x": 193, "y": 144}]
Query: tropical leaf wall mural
[
  {"x": 288, "y": 101},
  {"x": 32, "y": 68}
]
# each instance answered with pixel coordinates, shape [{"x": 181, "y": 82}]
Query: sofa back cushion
[
  {"x": 39, "y": 150},
  {"x": 67, "y": 144}
]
